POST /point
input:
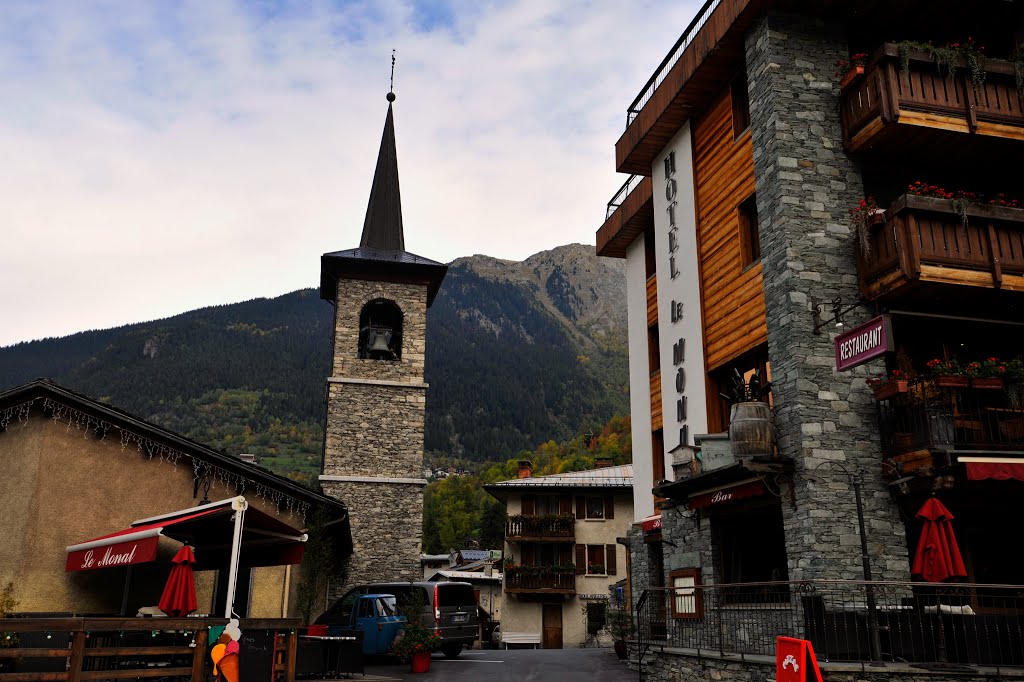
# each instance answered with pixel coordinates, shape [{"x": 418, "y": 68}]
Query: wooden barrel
[{"x": 751, "y": 430}]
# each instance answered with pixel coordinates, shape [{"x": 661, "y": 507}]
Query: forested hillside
[{"x": 518, "y": 354}]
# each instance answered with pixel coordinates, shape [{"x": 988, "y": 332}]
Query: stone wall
[
  {"x": 387, "y": 529},
  {"x": 826, "y": 421},
  {"x": 411, "y": 299},
  {"x": 672, "y": 666},
  {"x": 374, "y": 430}
]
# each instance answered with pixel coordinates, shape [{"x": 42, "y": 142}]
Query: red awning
[
  {"x": 265, "y": 540},
  {"x": 1006, "y": 470},
  {"x": 731, "y": 494},
  {"x": 136, "y": 545},
  {"x": 651, "y": 523}
]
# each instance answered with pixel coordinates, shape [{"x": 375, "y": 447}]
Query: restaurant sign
[
  {"x": 137, "y": 551},
  {"x": 863, "y": 343}
]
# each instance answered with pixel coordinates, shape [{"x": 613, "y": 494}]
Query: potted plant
[
  {"x": 888, "y": 386},
  {"x": 1014, "y": 380},
  {"x": 751, "y": 427},
  {"x": 850, "y": 70},
  {"x": 414, "y": 645},
  {"x": 620, "y": 626},
  {"x": 947, "y": 373},
  {"x": 864, "y": 217},
  {"x": 987, "y": 374}
]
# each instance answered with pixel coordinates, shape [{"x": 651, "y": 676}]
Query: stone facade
[
  {"x": 411, "y": 299},
  {"x": 826, "y": 421},
  {"x": 374, "y": 434}
]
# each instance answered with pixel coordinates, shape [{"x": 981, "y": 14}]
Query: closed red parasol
[
  {"x": 938, "y": 556},
  {"x": 179, "y": 597}
]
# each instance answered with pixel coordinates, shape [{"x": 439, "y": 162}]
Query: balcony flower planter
[
  {"x": 988, "y": 383},
  {"x": 949, "y": 381},
  {"x": 890, "y": 389},
  {"x": 851, "y": 77}
]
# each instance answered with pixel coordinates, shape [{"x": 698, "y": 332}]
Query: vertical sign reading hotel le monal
[{"x": 679, "y": 346}]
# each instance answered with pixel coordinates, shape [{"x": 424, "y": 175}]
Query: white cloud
[{"x": 161, "y": 157}]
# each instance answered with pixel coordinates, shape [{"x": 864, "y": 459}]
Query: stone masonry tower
[{"x": 373, "y": 448}]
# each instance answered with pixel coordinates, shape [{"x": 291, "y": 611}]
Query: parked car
[{"x": 450, "y": 607}]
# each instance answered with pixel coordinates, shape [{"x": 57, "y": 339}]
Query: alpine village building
[
  {"x": 562, "y": 551},
  {"x": 892, "y": 339},
  {"x": 376, "y": 396}
]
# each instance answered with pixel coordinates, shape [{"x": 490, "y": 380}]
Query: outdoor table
[{"x": 319, "y": 655}]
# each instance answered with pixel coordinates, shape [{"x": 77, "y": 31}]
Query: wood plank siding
[
  {"x": 656, "y": 418},
  {"x": 732, "y": 291}
]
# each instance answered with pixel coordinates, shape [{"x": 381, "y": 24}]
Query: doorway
[{"x": 552, "y": 616}]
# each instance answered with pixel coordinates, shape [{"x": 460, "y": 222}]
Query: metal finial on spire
[{"x": 391, "y": 92}]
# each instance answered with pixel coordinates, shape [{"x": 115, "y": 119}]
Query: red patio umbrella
[
  {"x": 179, "y": 597},
  {"x": 938, "y": 556}
]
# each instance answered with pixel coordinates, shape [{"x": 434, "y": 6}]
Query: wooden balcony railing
[
  {"x": 925, "y": 240},
  {"x": 886, "y": 104},
  {"x": 539, "y": 579},
  {"x": 553, "y": 527}
]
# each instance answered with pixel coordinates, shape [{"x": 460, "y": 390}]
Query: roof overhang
[{"x": 379, "y": 266}]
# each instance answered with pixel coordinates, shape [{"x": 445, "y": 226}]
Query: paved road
[{"x": 515, "y": 665}]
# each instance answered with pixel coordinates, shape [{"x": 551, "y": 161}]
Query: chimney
[
  {"x": 604, "y": 462},
  {"x": 525, "y": 468}
]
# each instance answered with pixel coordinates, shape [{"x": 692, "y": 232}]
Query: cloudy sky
[{"x": 163, "y": 156}]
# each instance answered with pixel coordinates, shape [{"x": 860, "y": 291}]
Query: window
[
  {"x": 687, "y": 601},
  {"x": 650, "y": 263},
  {"x": 750, "y": 237},
  {"x": 658, "y": 455},
  {"x": 541, "y": 505},
  {"x": 596, "y": 560},
  {"x": 380, "y": 331},
  {"x": 740, "y": 104},
  {"x": 546, "y": 554},
  {"x": 595, "y": 507},
  {"x": 751, "y": 548}
]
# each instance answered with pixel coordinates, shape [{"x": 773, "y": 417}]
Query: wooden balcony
[
  {"x": 543, "y": 528},
  {"x": 886, "y": 108},
  {"x": 629, "y": 213},
  {"x": 539, "y": 580},
  {"x": 925, "y": 244}
]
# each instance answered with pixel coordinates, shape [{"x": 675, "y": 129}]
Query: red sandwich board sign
[{"x": 793, "y": 659}]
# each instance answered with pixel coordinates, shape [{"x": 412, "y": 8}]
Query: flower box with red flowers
[{"x": 887, "y": 387}]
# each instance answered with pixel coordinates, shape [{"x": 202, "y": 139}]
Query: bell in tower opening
[{"x": 380, "y": 331}]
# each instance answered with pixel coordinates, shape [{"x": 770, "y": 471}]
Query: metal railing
[
  {"x": 942, "y": 418},
  {"x": 670, "y": 59},
  {"x": 546, "y": 526},
  {"x": 621, "y": 195},
  {"x": 855, "y": 621}
]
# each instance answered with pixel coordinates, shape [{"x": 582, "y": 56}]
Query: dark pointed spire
[{"x": 382, "y": 228}]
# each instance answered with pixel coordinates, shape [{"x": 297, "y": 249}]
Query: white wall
[
  {"x": 639, "y": 379},
  {"x": 682, "y": 290}
]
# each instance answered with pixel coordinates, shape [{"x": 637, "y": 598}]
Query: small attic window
[{"x": 380, "y": 331}]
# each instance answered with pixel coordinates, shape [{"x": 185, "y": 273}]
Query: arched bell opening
[{"x": 380, "y": 331}]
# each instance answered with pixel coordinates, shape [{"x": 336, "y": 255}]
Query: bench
[{"x": 520, "y": 638}]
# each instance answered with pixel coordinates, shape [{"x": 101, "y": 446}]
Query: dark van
[{"x": 450, "y": 607}]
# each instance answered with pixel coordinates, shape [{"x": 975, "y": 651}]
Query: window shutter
[
  {"x": 529, "y": 505},
  {"x": 581, "y": 507},
  {"x": 565, "y": 504},
  {"x": 609, "y": 559},
  {"x": 609, "y": 507},
  {"x": 581, "y": 559},
  {"x": 529, "y": 556}
]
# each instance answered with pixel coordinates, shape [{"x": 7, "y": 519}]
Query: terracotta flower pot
[
  {"x": 890, "y": 389},
  {"x": 987, "y": 383},
  {"x": 951, "y": 381},
  {"x": 420, "y": 662},
  {"x": 851, "y": 76}
]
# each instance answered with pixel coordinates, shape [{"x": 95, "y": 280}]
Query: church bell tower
[{"x": 373, "y": 448}]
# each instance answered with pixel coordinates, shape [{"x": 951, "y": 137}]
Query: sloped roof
[
  {"x": 608, "y": 477},
  {"x": 26, "y": 395},
  {"x": 382, "y": 228}
]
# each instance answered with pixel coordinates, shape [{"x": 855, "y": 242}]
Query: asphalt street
[{"x": 515, "y": 665}]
